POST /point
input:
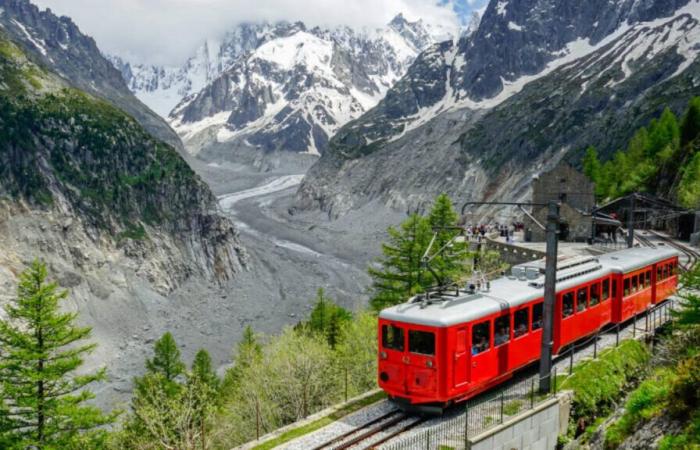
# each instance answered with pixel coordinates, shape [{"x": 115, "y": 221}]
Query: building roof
[{"x": 512, "y": 291}]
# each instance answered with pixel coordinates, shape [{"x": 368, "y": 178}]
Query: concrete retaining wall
[{"x": 536, "y": 429}]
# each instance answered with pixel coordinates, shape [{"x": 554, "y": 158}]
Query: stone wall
[
  {"x": 579, "y": 224},
  {"x": 535, "y": 429},
  {"x": 513, "y": 254}
]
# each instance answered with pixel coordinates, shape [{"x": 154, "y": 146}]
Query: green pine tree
[
  {"x": 401, "y": 273},
  {"x": 690, "y": 125},
  {"x": 326, "y": 318},
  {"x": 591, "y": 165},
  {"x": 248, "y": 352},
  {"x": 43, "y": 401},
  {"x": 203, "y": 371},
  {"x": 203, "y": 384},
  {"x": 448, "y": 256},
  {"x": 321, "y": 312},
  {"x": 166, "y": 359},
  {"x": 689, "y": 186}
]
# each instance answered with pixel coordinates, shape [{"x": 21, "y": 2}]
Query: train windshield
[
  {"x": 392, "y": 337},
  {"x": 421, "y": 342}
]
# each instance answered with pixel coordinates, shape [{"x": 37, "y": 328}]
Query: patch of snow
[
  {"x": 299, "y": 48},
  {"x": 38, "y": 43},
  {"x": 514, "y": 26},
  {"x": 501, "y": 7},
  {"x": 189, "y": 129}
]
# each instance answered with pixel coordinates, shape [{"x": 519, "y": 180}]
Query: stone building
[{"x": 576, "y": 193}]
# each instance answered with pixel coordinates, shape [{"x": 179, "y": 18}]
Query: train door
[
  {"x": 461, "y": 359},
  {"x": 421, "y": 373},
  {"x": 484, "y": 360},
  {"x": 392, "y": 362}
]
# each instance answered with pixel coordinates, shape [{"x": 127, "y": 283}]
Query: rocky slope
[
  {"x": 57, "y": 43},
  {"x": 539, "y": 80},
  {"x": 119, "y": 217},
  {"x": 279, "y": 88}
]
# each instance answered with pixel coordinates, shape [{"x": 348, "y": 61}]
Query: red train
[{"x": 445, "y": 349}]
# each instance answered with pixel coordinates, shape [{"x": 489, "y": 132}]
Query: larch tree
[
  {"x": 690, "y": 124},
  {"x": 400, "y": 272},
  {"x": 448, "y": 257},
  {"x": 327, "y": 318},
  {"x": 166, "y": 359},
  {"x": 41, "y": 347}
]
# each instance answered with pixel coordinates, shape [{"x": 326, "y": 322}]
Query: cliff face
[{"x": 65, "y": 152}]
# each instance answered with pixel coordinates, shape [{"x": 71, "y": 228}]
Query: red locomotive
[{"x": 440, "y": 349}]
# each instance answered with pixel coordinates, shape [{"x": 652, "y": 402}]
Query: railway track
[
  {"x": 387, "y": 427},
  {"x": 645, "y": 241},
  {"x": 692, "y": 255}
]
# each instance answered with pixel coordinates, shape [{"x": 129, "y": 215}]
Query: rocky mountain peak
[
  {"x": 295, "y": 86},
  {"x": 520, "y": 37}
]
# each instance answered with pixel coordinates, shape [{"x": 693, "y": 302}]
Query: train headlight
[
  {"x": 429, "y": 363},
  {"x": 382, "y": 355}
]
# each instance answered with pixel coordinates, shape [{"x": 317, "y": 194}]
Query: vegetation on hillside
[
  {"x": 662, "y": 159},
  {"x": 55, "y": 139}
]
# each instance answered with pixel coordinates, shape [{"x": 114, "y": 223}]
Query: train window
[
  {"x": 392, "y": 337},
  {"x": 567, "y": 304},
  {"x": 658, "y": 274},
  {"x": 520, "y": 322},
  {"x": 664, "y": 272},
  {"x": 606, "y": 289},
  {"x": 626, "y": 287},
  {"x": 537, "y": 316},
  {"x": 422, "y": 342},
  {"x": 647, "y": 279},
  {"x": 481, "y": 335},
  {"x": 501, "y": 330},
  {"x": 581, "y": 299},
  {"x": 634, "y": 284},
  {"x": 595, "y": 294}
]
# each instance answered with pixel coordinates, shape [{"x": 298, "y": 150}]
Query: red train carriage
[{"x": 441, "y": 350}]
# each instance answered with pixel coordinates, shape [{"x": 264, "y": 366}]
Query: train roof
[{"x": 526, "y": 285}]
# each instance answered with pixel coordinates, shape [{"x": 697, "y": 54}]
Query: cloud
[{"x": 168, "y": 31}]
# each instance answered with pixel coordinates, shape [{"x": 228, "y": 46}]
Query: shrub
[
  {"x": 684, "y": 393},
  {"x": 646, "y": 402}
]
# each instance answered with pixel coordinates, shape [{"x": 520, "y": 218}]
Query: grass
[
  {"x": 599, "y": 383},
  {"x": 320, "y": 423},
  {"x": 513, "y": 407}
]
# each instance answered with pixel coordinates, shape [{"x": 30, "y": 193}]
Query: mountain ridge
[{"x": 472, "y": 149}]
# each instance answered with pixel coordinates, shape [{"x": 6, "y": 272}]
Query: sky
[{"x": 167, "y": 32}]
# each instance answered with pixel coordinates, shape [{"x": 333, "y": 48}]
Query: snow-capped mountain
[
  {"x": 280, "y": 87},
  {"x": 536, "y": 81},
  {"x": 163, "y": 87}
]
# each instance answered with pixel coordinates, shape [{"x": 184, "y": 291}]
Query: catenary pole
[
  {"x": 550, "y": 274},
  {"x": 630, "y": 223}
]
